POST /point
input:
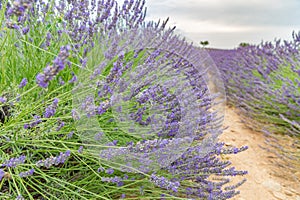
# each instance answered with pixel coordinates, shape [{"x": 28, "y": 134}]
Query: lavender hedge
[
  {"x": 91, "y": 105},
  {"x": 263, "y": 81}
]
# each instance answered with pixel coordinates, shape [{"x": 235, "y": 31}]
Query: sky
[{"x": 227, "y": 23}]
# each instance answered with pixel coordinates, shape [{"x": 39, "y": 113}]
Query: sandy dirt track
[{"x": 262, "y": 183}]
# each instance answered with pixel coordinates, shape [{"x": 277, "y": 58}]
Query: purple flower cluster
[
  {"x": 23, "y": 83},
  {"x": 110, "y": 171},
  {"x": 2, "y": 99},
  {"x": 19, "y": 7},
  {"x": 61, "y": 124},
  {"x": 117, "y": 180},
  {"x": 13, "y": 162},
  {"x": 80, "y": 150},
  {"x": 48, "y": 162},
  {"x": 75, "y": 114},
  {"x": 70, "y": 135},
  {"x": 20, "y": 197},
  {"x": 50, "y": 110},
  {"x": 37, "y": 120},
  {"x": 51, "y": 71},
  {"x": 163, "y": 182},
  {"x": 88, "y": 106},
  {"x": 27, "y": 173},
  {"x": 73, "y": 79},
  {"x": 2, "y": 173}
]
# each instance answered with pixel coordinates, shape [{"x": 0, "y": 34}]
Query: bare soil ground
[{"x": 263, "y": 179}]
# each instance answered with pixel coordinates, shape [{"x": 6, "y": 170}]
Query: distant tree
[
  {"x": 244, "y": 44},
  {"x": 204, "y": 43}
]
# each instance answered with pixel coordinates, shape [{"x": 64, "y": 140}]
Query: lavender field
[
  {"x": 263, "y": 82},
  {"x": 98, "y": 103}
]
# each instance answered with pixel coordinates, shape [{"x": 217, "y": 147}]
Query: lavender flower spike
[
  {"x": 27, "y": 173},
  {"x": 54, "y": 160},
  {"x": 2, "y": 173},
  {"x": 164, "y": 183},
  {"x": 2, "y": 99},
  {"x": 13, "y": 162},
  {"x": 50, "y": 110},
  {"x": 23, "y": 83},
  {"x": 20, "y": 197},
  {"x": 73, "y": 79},
  {"x": 19, "y": 7},
  {"x": 51, "y": 71}
]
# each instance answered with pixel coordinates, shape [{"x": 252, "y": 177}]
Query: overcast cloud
[{"x": 226, "y": 23}]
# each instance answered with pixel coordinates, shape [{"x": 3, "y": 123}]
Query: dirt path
[{"x": 261, "y": 183}]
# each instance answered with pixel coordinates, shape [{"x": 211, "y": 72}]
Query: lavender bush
[
  {"x": 263, "y": 81},
  {"x": 98, "y": 104}
]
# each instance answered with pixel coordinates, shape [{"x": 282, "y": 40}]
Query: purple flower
[
  {"x": 61, "y": 81},
  {"x": 70, "y": 135},
  {"x": 100, "y": 169},
  {"x": 23, "y": 83},
  {"x": 48, "y": 39},
  {"x": 19, "y": 7},
  {"x": 50, "y": 110},
  {"x": 60, "y": 125},
  {"x": 80, "y": 149},
  {"x": 25, "y": 30},
  {"x": 51, "y": 71},
  {"x": 42, "y": 81},
  {"x": 88, "y": 106},
  {"x": 83, "y": 62},
  {"x": 2, "y": 173},
  {"x": 74, "y": 78},
  {"x": 3, "y": 99},
  {"x": 20, "y": 197},
  {"x": 98, "y": 136},
  {"x": 18, "y": 97},
  {"x": 115, "y": 142},
  {"x": 26, "y": 126},
  {"x": 116, "y": 179},
  {"x": 27, "y": 173},
  {"x": 164, "y": 183},
  {"x": 75, "y": 115},
  {"x": 13, "y": 162},
  {"x": 48, "y": 162},
  {"x": 109, "y": 171}
]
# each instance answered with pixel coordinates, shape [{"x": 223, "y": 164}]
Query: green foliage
[{"x": 204, "y": 43}]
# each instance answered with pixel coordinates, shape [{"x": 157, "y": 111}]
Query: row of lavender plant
[
  {"x": 52, "y": 54},
  {"x": 263, "y": 81}
]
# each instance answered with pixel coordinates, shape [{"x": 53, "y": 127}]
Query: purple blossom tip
[
  {"x": 48, "y": 162},
  {"x": 80, "y": 150},
  {"x": 110, "y": 171},
  {"x": 70, "y": 135},
  {"x": 41, "y": 80},
  {"x": 3, "y": 99},
  {"x": 13, "y": 162},
  {"x": 100, "y": 169},
  {"x": 73, "y": 79},
  {"x": 23, "y": 83},
  {"x": 164, "y": 183},
  {"x": 25, "y": 30},
  {"x": 2, "y": 173},
  {"x": 27, "y": 173}
]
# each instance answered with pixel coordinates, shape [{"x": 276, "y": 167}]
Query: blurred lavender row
[{"x": 263, "y": 81}]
